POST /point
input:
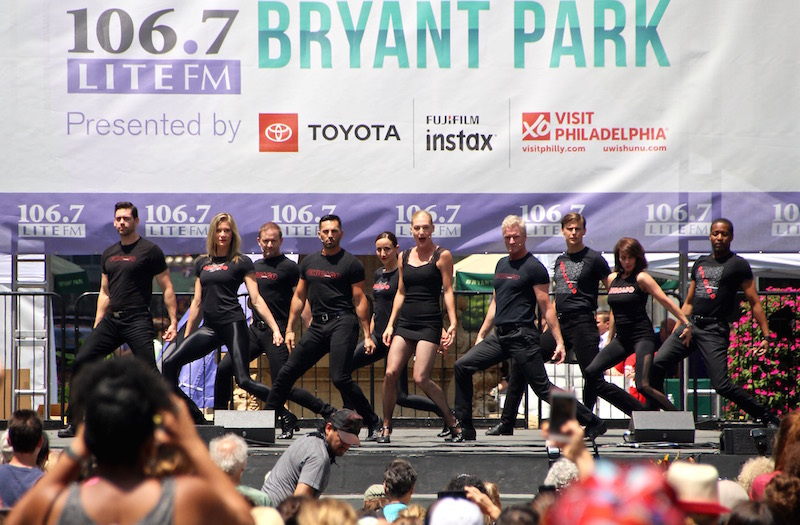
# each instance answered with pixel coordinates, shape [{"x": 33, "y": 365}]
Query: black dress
[{"x": 420, "y": 316}]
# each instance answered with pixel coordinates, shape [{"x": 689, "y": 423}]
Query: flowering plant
[{"x": 771, "y": 378}]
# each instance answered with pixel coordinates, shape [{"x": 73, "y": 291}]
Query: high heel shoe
[
  {"x": 385, "y": 436},
  {"x": 445, "y": 429},
  {"x": 458, "y": 434},
  {"x": 288, "y": 426}
]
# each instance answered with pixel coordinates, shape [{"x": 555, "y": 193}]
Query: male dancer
[
  {"x": 520, "y": 283},
  {"x": 710, "y": 302},
  {"x": 123, "y": 306},
  {"x": 576, "y": 275},
  {"x": 333, "y": 283},
  {"x": 277, "y": 277}
]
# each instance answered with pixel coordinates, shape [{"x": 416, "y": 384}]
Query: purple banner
[
  {"x": 196, "y": 77},
  {"x": 72, "y": 223}
]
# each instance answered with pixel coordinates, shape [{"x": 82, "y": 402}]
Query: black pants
[
  {"x": 136, "y": 329},
  {"x": 260, "y": 341},
  {"x": 641, "y": 341},
  {"x": 712, "y": 340},
  {"x": 201, "y": 342},
  {"x": 337, "y": 337},
  {"x": 582, "y": 337},
  {"x": 522, "y": 345},
  {"x": 404, "y": 399}
]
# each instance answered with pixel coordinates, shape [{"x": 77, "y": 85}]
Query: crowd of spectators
[{"x": 137, "y": 458}]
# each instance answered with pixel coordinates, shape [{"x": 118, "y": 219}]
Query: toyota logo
[{"x": 278, "y": 132}]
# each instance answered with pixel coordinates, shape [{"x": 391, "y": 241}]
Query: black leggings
[
  {"x": 642, "y": 342},
  {"x": 206, "y": 338},
  {"x": 404, "y": 399}
]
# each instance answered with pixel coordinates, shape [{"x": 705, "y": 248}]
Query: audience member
[
  {"x": 752, "y": 513},
  {"x": 788, "y": 439},
  {"x": 25, "y": 433},
  {"x": 753, "y": 468},
  {"x": 783, "y": 495},
  {"x": 637, "y": 495},
  {"x": 375, "y": 497},
  {"x": 266, "y": 516},
  {"x": 305, "y": 467},
  {"x": 128, "y": 410},
  {"x": 413, "y": 511},
  {"x": 229, "y": 453},
  {"x": 696, "y": 488},
  {"x": 561, "y": 474},
  {"x": 326, "y": 512},
  {"x": 399, "y": 479},
  {"x": 454, "y": 511},
  {"x": 731, "y": 493},
  {"x": 289, "y": 508},
  {"x": 517, "y": 515}
]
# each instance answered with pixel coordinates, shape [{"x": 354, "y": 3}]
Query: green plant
[{"x": 771, "y": 378}]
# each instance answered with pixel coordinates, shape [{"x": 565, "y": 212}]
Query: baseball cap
[{"x": 348, "y": 423}]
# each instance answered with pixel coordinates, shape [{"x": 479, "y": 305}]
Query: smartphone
[{"x": 563, "y": 407}]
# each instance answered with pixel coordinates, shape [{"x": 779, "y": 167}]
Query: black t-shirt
[
  {"x": 276, "y": 278},
  {"x": 577, "y": 277},
  {"x": 515, "y": 299},
  {"x": 716, "y": 283},
  {"x": 383, "y": 292},
  {"x": 220, "y": 279},
  {"x": 330, "y": 279},
  {"x": 627, "y": 300},
  {"x": 130, "y": 270}
]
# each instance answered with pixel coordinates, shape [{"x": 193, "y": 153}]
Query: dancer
[
  {"x": 521, "y": 283},
  {"x": 123, "y": 305},
  {"x": 576, "y": 274},
  {"x": 710, "y": 302},
  {"x": 383, "y": 292},
  {"x": 627, "y": 297},
  {"x": 219, "y": 273},
  {"x": 277, "y": 277},
  {"x": 425, "y": 270},
  {"x": 333, "y": 283}
]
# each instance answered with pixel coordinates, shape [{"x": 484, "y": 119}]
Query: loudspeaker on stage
[{"x": 671, "y": 427}]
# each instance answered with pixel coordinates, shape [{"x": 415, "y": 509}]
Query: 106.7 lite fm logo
[{"x": 161, "y": 52}]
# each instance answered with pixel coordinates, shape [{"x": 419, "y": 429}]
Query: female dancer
[
  {"x": 424, "y": 271},
  {"x": 219, "y": 274},
  {"x": 383, "y": 292},
  {"x": 627, "y": 297}
]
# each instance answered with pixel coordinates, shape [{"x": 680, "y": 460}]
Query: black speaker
[
  {"x": 209, "y": 432},
  {"x": 738, "y": 440},
  {"x": 257, "y": 426},
  {"x": 672, "y": 427}
]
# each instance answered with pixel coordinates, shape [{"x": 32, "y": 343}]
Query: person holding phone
[{"x": 521, "y": 283}]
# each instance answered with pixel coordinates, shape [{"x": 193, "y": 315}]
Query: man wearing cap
[{"x": 305, "y": 467}]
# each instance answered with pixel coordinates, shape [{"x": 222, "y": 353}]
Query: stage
[{"x": 518, "y": 463}]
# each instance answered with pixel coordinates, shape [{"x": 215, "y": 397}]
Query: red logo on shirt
[
  {"x": 380, "y": 287},
  {"x": 215, "y": 267},
  {"x": 271, "y": 276},
  {"x": 324, "y": 274},
  {"x": 122, "y": 258},
  {"x": 507, "y": 276}
]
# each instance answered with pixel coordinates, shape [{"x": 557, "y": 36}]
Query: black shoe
[
  {"x": 459, "y": 434},
  {"x": 385, "y": 435},
  {"x": 68, "y": 432},
  {"x": 445, "y": 429},
  {"x": 595, "y": 429},
  {"x": 288, "y": 426},
  {"x": 501, "y": 429},
  {"x": 769, "y": 420},
  {"x": 373, "y": 431}
]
